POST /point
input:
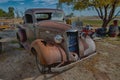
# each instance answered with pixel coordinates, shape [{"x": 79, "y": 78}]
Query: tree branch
[
  {"x": 106, "y": 13},
  {"x": 98, "y": 13},
  {"x": 100, "y": 9},
  {"x": 116, "y": 14},
  {"x": 112, "y": 10}
]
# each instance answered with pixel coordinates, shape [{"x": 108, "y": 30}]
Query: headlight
[{"x": 58, "y": 38}]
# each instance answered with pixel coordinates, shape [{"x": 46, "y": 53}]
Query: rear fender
[
  {"x": 48, "y": 54},
  {"x": 22, "y": 35}
]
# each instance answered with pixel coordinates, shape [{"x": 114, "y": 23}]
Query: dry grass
[
  {"x": 113, "y": 41},
  {"x": 92, "y": 21},
  {"x": 12, "y": 21},
  {"x": 3, "y": 58}
]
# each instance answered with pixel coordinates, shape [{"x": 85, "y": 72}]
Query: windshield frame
[{"x": 50, "y": 14}]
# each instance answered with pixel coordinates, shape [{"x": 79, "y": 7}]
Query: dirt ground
[{"x": 18, "y": 64}]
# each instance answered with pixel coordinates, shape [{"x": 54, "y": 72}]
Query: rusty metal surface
[
  {"x": 49, "y": 54},
  {"x": 43, "y": 34},
  {"x": 63, "y": 68},
  {"x": 48, "y": 24}
]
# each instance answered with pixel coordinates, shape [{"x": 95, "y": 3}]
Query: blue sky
[
  {"x": 22, "y": 5},
  {"x": 25, "y": 4}
]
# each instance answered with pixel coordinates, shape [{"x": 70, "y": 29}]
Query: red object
[
  {"x": 115, "y": 22},
  {"x": 87, "y": 32},
  {"x": 113, "y": 35}
]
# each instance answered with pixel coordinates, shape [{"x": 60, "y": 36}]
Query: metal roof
[{"x": 40, "y": 10}]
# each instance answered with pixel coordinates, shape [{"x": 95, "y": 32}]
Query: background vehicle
[
  {"x": 56, "y": 45},
  {"x": 3, "y": 25}
]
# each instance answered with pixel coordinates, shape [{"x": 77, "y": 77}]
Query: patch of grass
[
  {"x": 114, "y": 41},
  {"x": 118, "y": 39},
  {"x": 19, "y": 48},
  {"x": 95, "y": 23},
  {"x": 14, "y": 41}
]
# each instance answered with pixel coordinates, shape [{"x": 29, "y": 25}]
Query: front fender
[
  {"x": 86, "y": 46},
  {"x": 48, "y": 54}
]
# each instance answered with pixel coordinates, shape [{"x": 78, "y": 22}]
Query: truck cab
[{"x": 34, "y": 16}]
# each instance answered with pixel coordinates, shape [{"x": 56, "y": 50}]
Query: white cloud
[
  {"x": 22, "y": 3},
  {"x": 17, "y": 0},
  {"x": 36, "y": 0},
  {"x": 46, "y": 1},
  {"x": 4, "y": 1},
  {"x": 50, "y": 1}
]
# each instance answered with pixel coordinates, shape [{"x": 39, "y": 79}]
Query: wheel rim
[{"x": 40, "y": 67}]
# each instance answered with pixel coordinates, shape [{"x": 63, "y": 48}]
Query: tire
[{"x": 41, "y": 68}]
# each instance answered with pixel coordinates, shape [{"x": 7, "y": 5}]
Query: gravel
[{"x": 17, "y": 64}]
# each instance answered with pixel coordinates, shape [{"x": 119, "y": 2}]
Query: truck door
[{"x": 30, "y": 28}]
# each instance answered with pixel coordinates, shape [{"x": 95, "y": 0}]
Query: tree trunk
[{"x": 105, "y": 23}]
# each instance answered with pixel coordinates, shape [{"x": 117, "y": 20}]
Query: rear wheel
[{"x": 40, "y": 67}]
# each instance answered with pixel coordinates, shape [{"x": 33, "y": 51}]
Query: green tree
[
  {"x": 106, "y": 9},
  {"x": 11, "y": 12},
  {"x": 2, "y": 13}
]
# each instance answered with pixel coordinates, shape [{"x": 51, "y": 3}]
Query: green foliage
[
  {"x": 106, "y": 9},
  {"x": 2, "y": 13},
  {"x": 65, "y": 1},
  {"x": 95, "y": 23},
  {"x": 9, "y": 14},
  {"x": 83, "y": 4}
]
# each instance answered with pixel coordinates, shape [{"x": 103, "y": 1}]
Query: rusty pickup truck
[{"x": 56, "y": 45}]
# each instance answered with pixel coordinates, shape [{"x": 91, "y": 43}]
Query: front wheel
[{"x": 40, "y": 67}]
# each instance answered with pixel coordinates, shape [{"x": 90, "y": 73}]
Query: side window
[{"x": 28, "y": 18}]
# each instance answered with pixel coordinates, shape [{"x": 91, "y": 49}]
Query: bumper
[{"x": 71, "y": 65}]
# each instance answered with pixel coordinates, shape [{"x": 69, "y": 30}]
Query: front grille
[{"x": 73, "y": 41}]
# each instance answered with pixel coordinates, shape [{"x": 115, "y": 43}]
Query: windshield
[
  {"x": 57, "y": 16},
  {"x": 49, "y": 16},
  {"x": 42, "y": 16}
]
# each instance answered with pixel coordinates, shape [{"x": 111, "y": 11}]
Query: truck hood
[{"x": 53, "y": 25}]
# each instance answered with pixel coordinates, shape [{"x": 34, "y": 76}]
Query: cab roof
[{"x": 42, "y": 10}]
